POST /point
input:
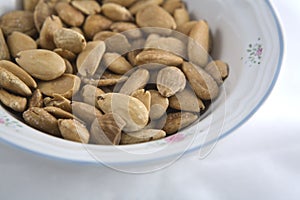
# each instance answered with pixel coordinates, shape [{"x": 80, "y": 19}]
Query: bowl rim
[{"x": 177, "y": 155}]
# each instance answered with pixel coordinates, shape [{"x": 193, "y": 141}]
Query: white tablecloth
[{"x": 261, "y": 160}]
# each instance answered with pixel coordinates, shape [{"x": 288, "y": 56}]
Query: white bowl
[{"x": 247, "y": 35}]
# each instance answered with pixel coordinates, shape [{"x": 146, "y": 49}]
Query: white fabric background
[{"x": 261, "y": 160}]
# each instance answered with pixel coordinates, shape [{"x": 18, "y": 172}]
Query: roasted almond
[
  {"x": 85, "y": 112},
  {"x": 69, "y": 39},
  {"x": 65, "y": 54},
  {"x": 109, "y": 79},
  {"x": 181, "y": 16},
  {"x": 42, "y": 120},
  {"x": 12, "y": 101},
  {"x": 155, "y": 16},
  {"x": 186, "y": 100},
  {"x": 18, "y": 42},
  {"x": 177, "y": 121},
  {"x": 103, "y": 35},
  {"x": 90, "y": 93},
  {"x": 146, "y": 135},
  {"x": 159, "y": 57},
  {"x": 42, "y": 11},
  {"x": 89, "y": 7},
  {"x": 12, "y": 83},
  {"x": 171, "y": 5},
  {"x": 95, "y": 24},
  {"x": 136, "y": 81},
  {"x": 218, "y": 70},
  {"x": 169, "y": 44},
  {"x": 144, "y": 97},
  {"x": 125, "y": 3},
  {"x": 107, "y": 129},
  {"x": 159, "y": 105},
  {"x": 36, "y": 100},
  {"x": 67, "y": 85},
  {"x": 51, "y": 24},
  {"x": 141, "y": 4},
  {"x": 199, "y": 44},
  {"x": 130, "y": 109},
  {"x": 19, "y": 72},
  {"x": 73, "y": 130},
  {"x": 131, "y": 30},
  {"x": 69, "y": 14},
  {"x": 170, "y": 80},
  {"x": 21, "y": 21},
  {"x": 116, "y": 12},
  {"x": 58, "y": 101},
  {"x": 4, "y": 52},
  {"x": 186, "y": 27},
  {"x": 89, "y": 59},
  {"x": 30, "y": 5},
  {"x": 202, "y": 83},
  {"x": 42, "y": 64},
  {"x": 116, "y": 63}
]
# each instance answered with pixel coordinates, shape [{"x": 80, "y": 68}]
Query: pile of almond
[{"x": 107, "y": 72}]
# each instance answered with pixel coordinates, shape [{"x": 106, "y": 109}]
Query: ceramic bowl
[{"x": 247, "y": 35}]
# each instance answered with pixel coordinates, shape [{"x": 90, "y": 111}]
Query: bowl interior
[{"x": 246, "y": 35}]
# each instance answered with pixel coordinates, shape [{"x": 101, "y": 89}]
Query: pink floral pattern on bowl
[{"x": 254, "y": 53}]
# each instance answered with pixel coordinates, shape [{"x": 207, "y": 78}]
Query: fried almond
[
  {"x": 116, "y": 63},
  {"x": 142, "y": 4},
  {"x": 88, "y": 7},
  {"x": 89, "y": 59},
  {"x": 85, "y": 112},
  {"x": 73, "y": 130},
  {"x": 67, "y": 85},
  {"x": 18, "y": 42},
  {"x": 107, "y": 129},
  {"x": 136, "y": 81},
  {"x": 199, "y": 44},
  {"x": 4, "y": 52},
  {"x": 130, "y": 109},
  {"x": 155, "y": 16},
  {"x": 12, "y": 101},
  {"x": 142, "y": 136},
  {"x": 177, "y": 121},
  {"x": 69, "y": 39},
  {"x": 19, "y": 72},
  {"x": 90, "y": 93},
  {"x": 186, "y": 100},
  {"x": 125, "y": 3},
  {"x": 42, "y": 11},
  {"x": 144, "y": 97},
  {"x": 116, "y": 12},
  {"x": 159, "y": 105},
  {"x": 159, "y": 57},
  {"x": 181, "y": 16},
  {"x": 12, "y": 83},
  {"x": 95, "y": 24},
  {"x": 36, "y": 100},
  {"x": 51, "y": 24},
  {"x": 202, "y": 83},
  {"x": 109, "y": 79},
  {"x": 42, "y": 120},
  {"x": 21, "y": 21},
  {"x": 218, "y": 70},
  {"x": 30, "y": 5},
  {"x": 69, "y": 14},
  {"x": 42, "y": 64},
  {"x": 170, "y": 80},
  {"x": 58, "y": 101}
]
